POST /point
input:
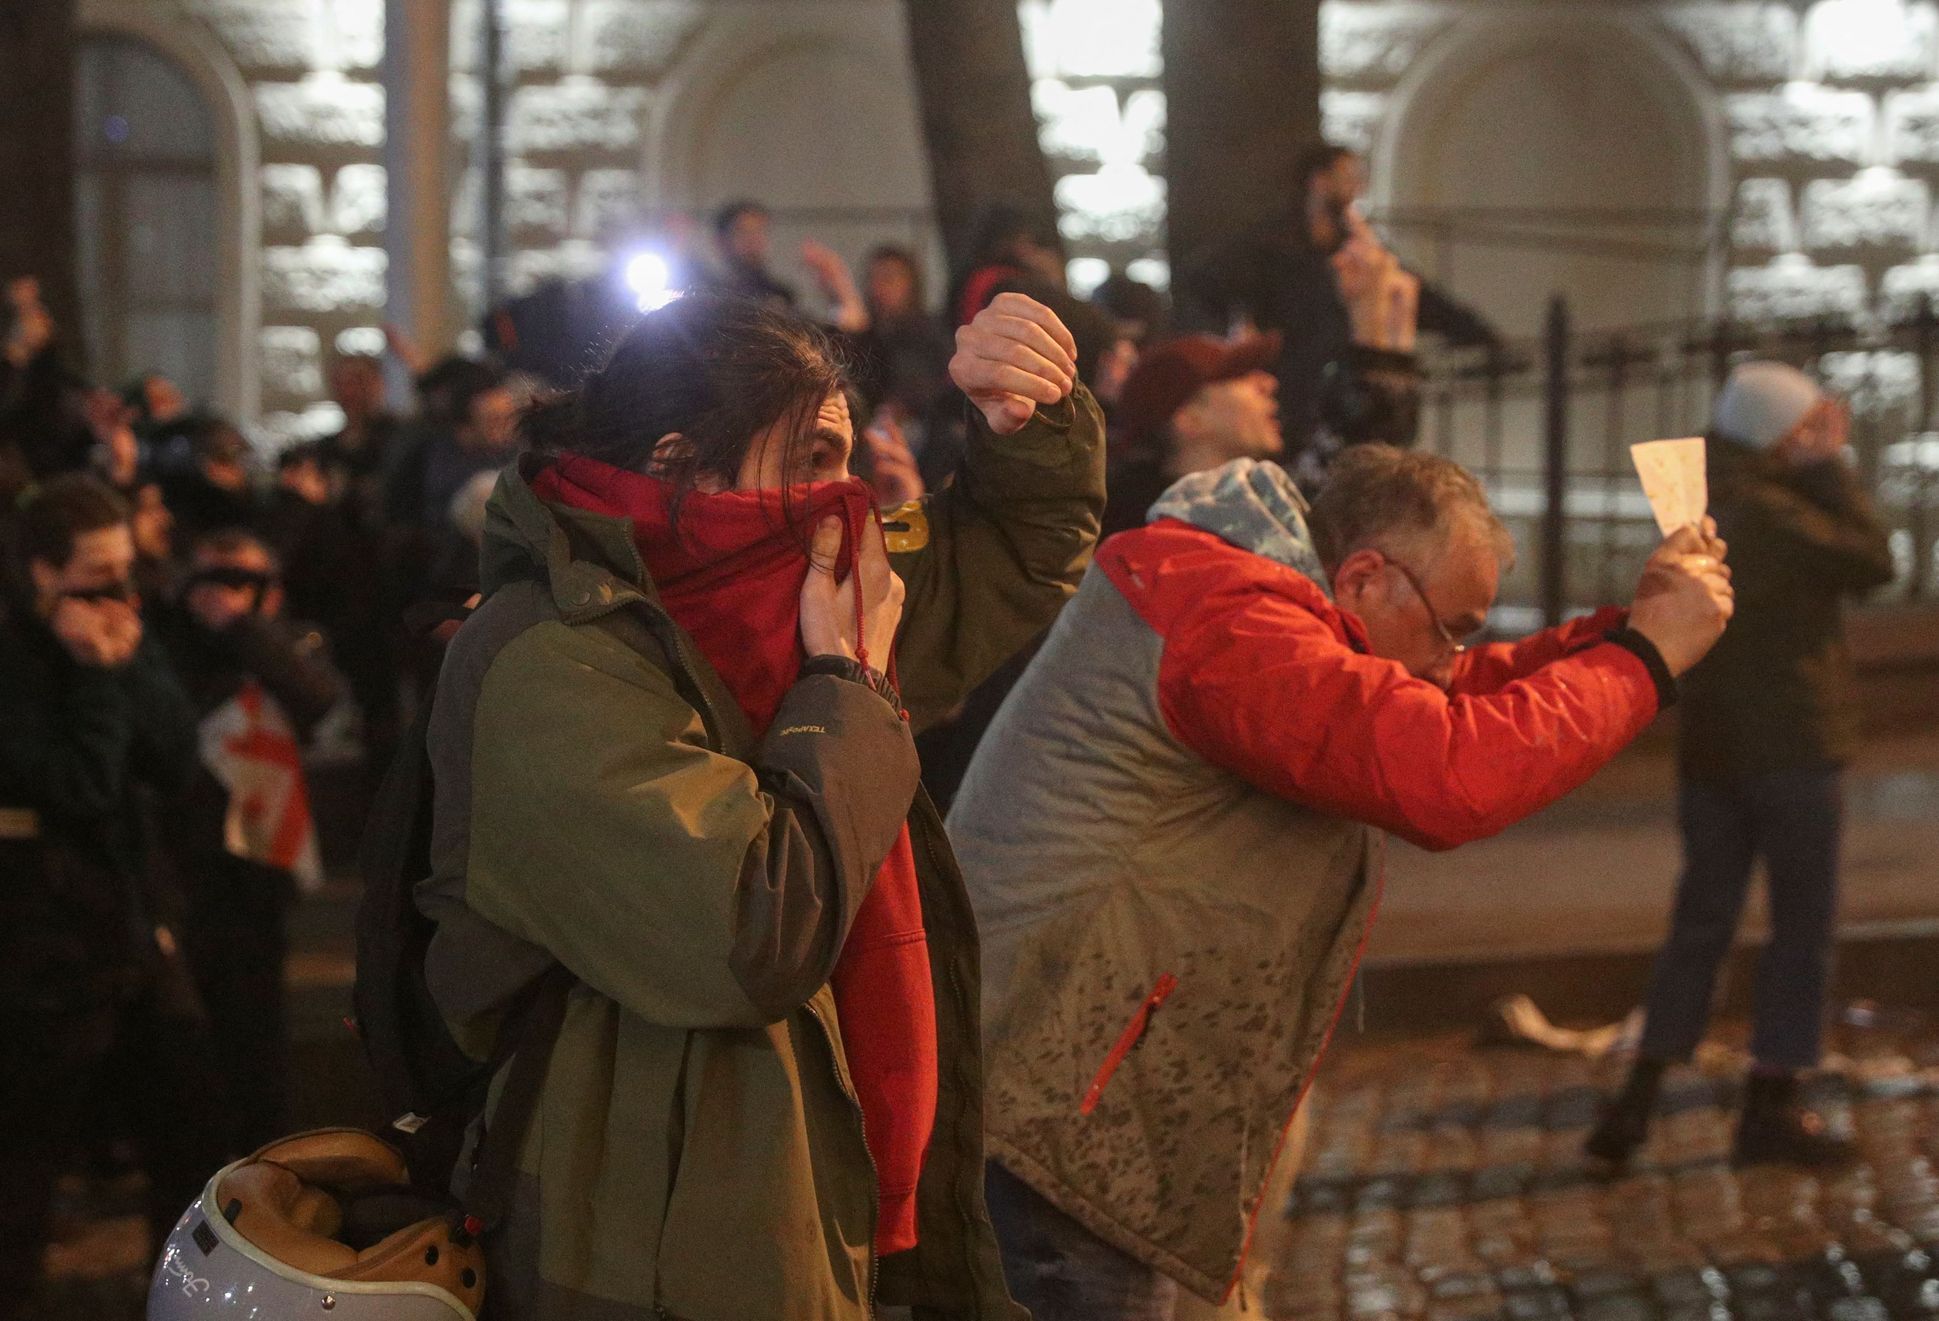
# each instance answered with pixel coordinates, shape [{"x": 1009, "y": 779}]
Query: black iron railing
[{"x": 1547, "y": 424}]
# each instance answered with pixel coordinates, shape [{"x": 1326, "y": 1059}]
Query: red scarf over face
[{"x": 732, "y": 576}]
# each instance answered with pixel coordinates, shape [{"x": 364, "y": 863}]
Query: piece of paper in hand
[{"x": 1674, "y": 480}]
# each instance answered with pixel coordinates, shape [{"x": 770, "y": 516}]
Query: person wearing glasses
[
  {"x": 94, "y": 993},
  {"x": 239, "y": 834},
  {"x": 1172, "y": 833}
]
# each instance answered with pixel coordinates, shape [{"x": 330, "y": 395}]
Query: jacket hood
[
  {"x": 523, "y": 534},
  {"x": 1251, "y": 505}
]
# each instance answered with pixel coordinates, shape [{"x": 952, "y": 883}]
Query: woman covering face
[{"x": 673, "y": 754}]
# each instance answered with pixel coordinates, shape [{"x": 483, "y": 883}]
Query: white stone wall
[
  {"x": 591, "y": 84},
  {"x": 1830, "y": 111},
  {"x": 1095, "y": 69},
  {"x": 1831, "y": 114}
]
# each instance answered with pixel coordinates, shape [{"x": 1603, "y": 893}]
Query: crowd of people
[{"x": 860, "y": 547}]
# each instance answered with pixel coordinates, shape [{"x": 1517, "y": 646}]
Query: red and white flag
[{"x": 249, "y": 745}]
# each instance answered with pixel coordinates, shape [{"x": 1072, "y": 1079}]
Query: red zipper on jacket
[
  {"x": 1279, "y": 1147},
  {"x": 1126, "y": 1040}
]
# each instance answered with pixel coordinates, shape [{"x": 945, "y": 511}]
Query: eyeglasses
[
  {"x": 122, "y": 591},
  {"x": 1453, "y": 644}
]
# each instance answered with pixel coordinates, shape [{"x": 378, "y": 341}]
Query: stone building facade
[
  {"x": 1800, "y": 139},
  {"x": 1765, "y": 158},
  {"x": 616, "y": 112}
]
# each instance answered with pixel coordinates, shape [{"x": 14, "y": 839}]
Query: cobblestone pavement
[
  {"x": 1443, "y": 1182},
  {"x": 1448, "y": 1183}
]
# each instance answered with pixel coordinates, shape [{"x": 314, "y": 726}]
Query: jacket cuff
[
  {"x": 852, "y": 759},
  {"x": 1645, "y": 651},
  {"x": 1048, "y": 439},
  {"x": 846, "y": 667}
]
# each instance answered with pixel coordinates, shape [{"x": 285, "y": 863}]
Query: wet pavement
[{"x": 1448, "y": 1183}]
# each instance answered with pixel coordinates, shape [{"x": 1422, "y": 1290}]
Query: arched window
[{"x": 146, "y": 211}]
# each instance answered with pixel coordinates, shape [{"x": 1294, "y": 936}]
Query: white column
[{"x": 417, "y": 151}]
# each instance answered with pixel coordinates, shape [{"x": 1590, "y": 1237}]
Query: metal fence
[{"x": 1547, "y": 425}]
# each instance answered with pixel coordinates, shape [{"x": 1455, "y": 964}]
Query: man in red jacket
[{"x": 1172, "y": 833}]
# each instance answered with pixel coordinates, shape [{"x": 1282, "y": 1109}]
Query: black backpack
[{"x": 433, "y": 1087}]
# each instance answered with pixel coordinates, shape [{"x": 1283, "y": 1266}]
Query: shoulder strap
[{"x": 494, "y": 1172}]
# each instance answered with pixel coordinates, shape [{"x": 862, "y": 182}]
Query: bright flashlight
[{"x": 651, "y": 281}]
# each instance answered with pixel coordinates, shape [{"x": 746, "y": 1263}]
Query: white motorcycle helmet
[{"x": 302, "y": 1229}]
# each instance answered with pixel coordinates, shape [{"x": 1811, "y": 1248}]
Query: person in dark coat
[
  {"x": 902, "y": 359},
  {"x": 1286, "y": 277},
  {"x": 93, "y": 988},
  {"x": 240, "y": 833},
  {"x": 1768, "y": 723}
]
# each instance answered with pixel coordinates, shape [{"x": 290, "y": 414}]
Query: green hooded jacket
[{"x": 697, "y": 1151}]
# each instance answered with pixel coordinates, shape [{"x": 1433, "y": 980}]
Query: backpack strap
[{"x": 494, "y": 1173}]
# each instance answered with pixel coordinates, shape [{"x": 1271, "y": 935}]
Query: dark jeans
[
  {"x": 236, "y": 950},
  {"x": 1791, "y": 819},
  {"x": 1060, "y": 1270}
]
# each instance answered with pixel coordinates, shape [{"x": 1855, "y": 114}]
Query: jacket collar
[{"x": 588, "y": 560}]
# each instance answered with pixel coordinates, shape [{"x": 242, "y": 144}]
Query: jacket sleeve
[
  {"x": 1488, "y": 668},
  {"x": 1005, "y": 546},
  {"x": 75, "y": 759},
  {"x": 1818, "y": 531},
  {"x": 693, "y": 889},
  {"x": 1263, "y": 688}
]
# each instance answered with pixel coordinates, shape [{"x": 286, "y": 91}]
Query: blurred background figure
[
  {"x": 903, "y": 354},
  {"x": 95, "y": 996},
  {"x": 240, "y": 833},
  {"x": 1768, "y": 723},
  {"x": 1189, "y": 405},
  {"x": 354, "y": 460},
  {"x": 1348, "y": 312},
  {"x": 743, "y": 246}
]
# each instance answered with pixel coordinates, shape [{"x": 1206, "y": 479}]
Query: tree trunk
[
  {"x": 976, "y": 116},
  {"x": 37, "y": 154},
  {"x": 1242, "y": 91}
]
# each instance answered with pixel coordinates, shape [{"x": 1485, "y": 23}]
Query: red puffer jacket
[{"x": 1265, "y": 676}]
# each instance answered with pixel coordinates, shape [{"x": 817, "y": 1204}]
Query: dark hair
[
  {"x": 1377, "y": 495},
  {"x": 1001, "y": 226},
  {"x": 718, "y": 370},
  {"x": 1317, "y": 158},
  {"x": 233, "y": 541},
  {"x": 728, "y": 213},
  {"x": 1132, "y": 301},
  {"x": 895, "y": 252},
  {"x": 448, "y": 387},
  {"x": 60, "y": 511}
]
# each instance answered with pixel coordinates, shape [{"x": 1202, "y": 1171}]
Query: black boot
[
  {"x": 1625, "y": 1119},
  {"x": 1777, "y": 1128}
]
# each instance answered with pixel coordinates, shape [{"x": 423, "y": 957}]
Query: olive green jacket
[{"x": 697, "y": 1151}]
